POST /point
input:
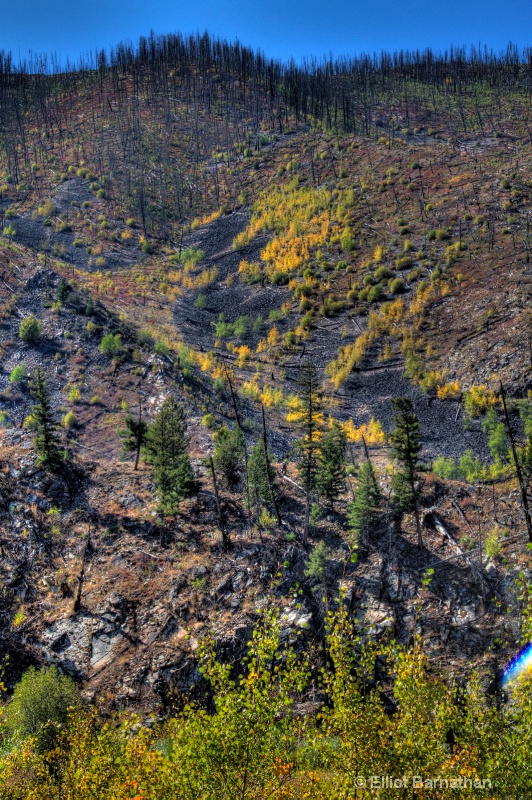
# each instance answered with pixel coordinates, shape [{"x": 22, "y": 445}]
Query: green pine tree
[
  {"x": 229, "y": 454},
  {"x": 406, "y": 445},
  {"x": 330, "y": 473},
  {"x": 166, "y": 448},
  {"x": 47, "y": 441},
  {"x": 365, "y": 510},
  {"x": 63, "y": 290},
  {"x": 259, "y": 485},
  {"x": 308, "y": 416},
  {"x": 135, "y": 435}
]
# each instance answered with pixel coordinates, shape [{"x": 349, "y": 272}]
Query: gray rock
[
  {"x": 130, "y": 500},
  {"x": 67, "y": 643},
  {"x": 465, "y": 614},
  {"x": 223, "y": 586},
  {"x": 491, "y": 570}
]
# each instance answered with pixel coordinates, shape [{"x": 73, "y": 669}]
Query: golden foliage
[{"x": 371, "y": 432}]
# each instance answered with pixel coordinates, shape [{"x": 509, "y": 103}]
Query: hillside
[{"x": 198, "y": 222}]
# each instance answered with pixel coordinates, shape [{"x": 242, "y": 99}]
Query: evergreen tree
[
  {"x": 47, "y": 440},
  {"x": 330, "y": 473},
  {"x": 364, "y": 511},
  {"x": 229, "y": 446},
  {"x": 308, "y": 416},
  {"x": 261, "y": 482},
  {"x": 135, "y": 435},
  {"x": 63, "y": 290},
  {"x": 406, "y": 444},
  {"x": 316, "y": 566},
  {"x": 166, "y": 448}
]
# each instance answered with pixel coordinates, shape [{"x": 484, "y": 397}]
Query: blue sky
[{"x": 280, "y": 28}]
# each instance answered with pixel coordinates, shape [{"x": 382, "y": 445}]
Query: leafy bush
[
  {"x": 240, "y": 327},
  {"x": 405, "y": 262},
  {"x": 70, "y": 420},
  {"x": 396, "y": 286},
  {"x": 478, "y": 399},
  {"x": 74, "y": 394},
  {"x": 30, "y": 329},
  {"x": 446, "y": 468},
  {"x": 381, "y": 273},
  {"x": 111, "y": 344},
  {"x": 496, "y": 433},
  {"x": 41, "y": 697},
  {"x": 18, "y": 375},
  {"x": 376, "y": 293},
  {"x": 279, "y": 278},
  {"x": 161, "y": 348},
  {"x": 209, "y": 422}
]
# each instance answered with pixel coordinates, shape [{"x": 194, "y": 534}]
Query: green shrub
[
  {"x": 201, "y": 301},
  {"x": 161, "y": 348},
  {"x": 147, "y": 247},
  {"x": 18, "y": 375},
  {"x": 240, "y": 327},
  {"x": 191, "y": 256},
  {"x": 111, "y": 344},
  {"x": 405, "y": 262},
  {"x": 30, "y": 329},
  {"x": 70, "y": 420},
  {"x": 209, "y": 422},
  {"x": 41, "y": 697},
  {"x": 74, "y": 394},
  {"x": 396, "y": 286},
  {"x": 290, "y": 339},
  {"x": 306, "y": 321},
  {"x": 375, "y": 293},
  {"x": 279, "y": 278},
  {"x": 446, "y": 468},
  {"x": 381, "y": 273}
]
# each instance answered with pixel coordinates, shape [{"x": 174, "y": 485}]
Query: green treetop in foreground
[{"x": 260, "y": 739}]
